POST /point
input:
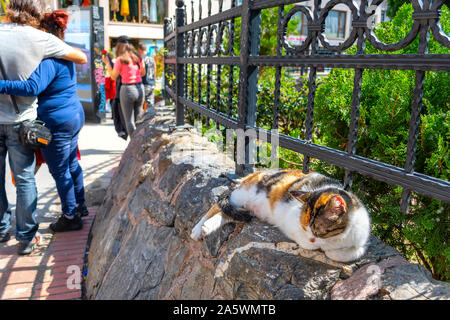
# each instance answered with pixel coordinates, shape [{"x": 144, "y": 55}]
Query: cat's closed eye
[{"x": 329, "y": 218}]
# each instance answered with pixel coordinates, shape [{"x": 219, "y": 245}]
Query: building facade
[{"x": 141, "y": 20}]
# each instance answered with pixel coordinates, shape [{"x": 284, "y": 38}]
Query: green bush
[{"x": 422, "y": 234}]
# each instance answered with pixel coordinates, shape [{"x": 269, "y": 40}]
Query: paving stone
[{"x": 16, "y": 291}]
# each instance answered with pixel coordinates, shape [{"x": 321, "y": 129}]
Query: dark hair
[
  {"x": 142, "y": 46},
  {"x": 26, "y": 12},
  {"x": 123, "y": 39},
  {"x": 55, "y": 23}
]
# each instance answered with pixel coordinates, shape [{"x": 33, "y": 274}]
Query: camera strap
[{"x": 13, "y": 99}]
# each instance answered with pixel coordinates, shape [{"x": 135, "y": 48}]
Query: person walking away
[
  {"x": 149, "y": 78},
  {"x": 22, "y": 48},
  {"x": 110, "y": 85},
  {"x": 129, "y": 66}
]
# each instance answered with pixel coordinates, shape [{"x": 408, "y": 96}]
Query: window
[
  {"x": 303, "y": 26},
  {"x": 383, "y": 15},
  {"x": 138, "y": 11},
  {"x": 300, "y": 23},
  {"x": 335, "y": 24},
  {"x": 297, "y": 29}
]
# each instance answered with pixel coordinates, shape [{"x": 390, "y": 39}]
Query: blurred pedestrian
[
  {"x": 110, "y": 85},
  {"x": 149, "y": 79},
  {"x": 130, "y": 67}
]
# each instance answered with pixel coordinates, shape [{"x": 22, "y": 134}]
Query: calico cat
[{"x": 313, "y": 210}]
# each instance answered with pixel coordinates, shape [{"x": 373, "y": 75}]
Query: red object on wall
[{"x": 86, "y": 3}]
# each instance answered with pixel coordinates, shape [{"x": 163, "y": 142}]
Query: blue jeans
[
  {"x": 22, "y": 163},
  {"x": 61, "y": 158}
]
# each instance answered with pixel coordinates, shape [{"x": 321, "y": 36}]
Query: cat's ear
[
  {"x": 337, "y": 205},
  {"x": 301, "y": 196}
]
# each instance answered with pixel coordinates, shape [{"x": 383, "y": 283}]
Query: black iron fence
[{"x": 197, "y": 47}]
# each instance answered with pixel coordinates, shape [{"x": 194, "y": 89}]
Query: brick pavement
[
  {"x": 53, "y": 271},
  {"x": 45, "y": 273}
]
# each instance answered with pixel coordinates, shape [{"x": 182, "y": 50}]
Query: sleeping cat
[{"x": 311, "y": 209}]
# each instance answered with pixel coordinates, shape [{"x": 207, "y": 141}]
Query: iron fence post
[
  {"x": 414, "y": 121},
  {"x": 179, "y": 67},
  {"x": 165, "y": 33},
  {"x": 248, "y": 79}
]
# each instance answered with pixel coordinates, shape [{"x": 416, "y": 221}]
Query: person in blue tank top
[{"x": 54, "y": 82}]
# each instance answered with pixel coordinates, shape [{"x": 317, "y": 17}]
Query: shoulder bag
[{"x": 32, "y": 133}]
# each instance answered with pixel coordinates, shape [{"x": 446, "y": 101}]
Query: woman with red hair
[{"x": 54, "y": 82}]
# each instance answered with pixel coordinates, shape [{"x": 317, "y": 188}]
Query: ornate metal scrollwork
[
  {"x": 357, "y": 22},
  {"x": 187, "y": 44},
  {"x": 194, "y": 47},
  {"x": 220, "y": 36},
  {"x": 435, "y": 25},
  {"x": 292, "y": 48},
  {"x": 170, "y": 25},
  {"x": 426, "y": 14},
  {"x": 203, "y": 45},
  {"x": 213, "y": 34}
]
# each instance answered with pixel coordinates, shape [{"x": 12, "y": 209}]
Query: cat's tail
[
  {"x": 233, "y": 183},
  {"x": 237, "y": 214}
]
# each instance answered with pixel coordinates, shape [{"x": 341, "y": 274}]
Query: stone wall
[{"x": 141, "y": 248}]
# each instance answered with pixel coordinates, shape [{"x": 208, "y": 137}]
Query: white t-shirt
[{"x": 22, "y": 48}]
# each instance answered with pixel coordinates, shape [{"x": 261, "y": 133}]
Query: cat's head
[{"x": 325, "y": 212}]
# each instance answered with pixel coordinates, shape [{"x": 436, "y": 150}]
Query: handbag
[{"x": 32, "y": 133}]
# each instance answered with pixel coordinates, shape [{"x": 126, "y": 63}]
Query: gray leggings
[{"x": 131, "y": 102}]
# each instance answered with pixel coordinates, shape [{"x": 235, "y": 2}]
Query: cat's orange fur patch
[
  {"x": 312, "y": 240},
  {"x": 304, "y": 218},
  {"x": 323, "y": 200},
  {"x": 279, "y": 189},
  {"x": 251, "y": 179},
  {"x": 306, "y": 214},
  {"x": 213, "y": 211}
]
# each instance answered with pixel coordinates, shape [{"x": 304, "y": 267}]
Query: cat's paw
[
  {"x": 213, "y": 224},
  {"x": 345, "y": 254},
  {"x": 196, "y": 233},
  {"x": 307, "y": 245}
]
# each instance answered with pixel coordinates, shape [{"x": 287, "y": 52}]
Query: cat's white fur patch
[
  {"x": 346, "y": 246},
  {"x": 196, "y": 233},
  {"x": 213, "y": 224}
]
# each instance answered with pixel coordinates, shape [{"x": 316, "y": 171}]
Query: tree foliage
[{"x": 393, "y": 6}]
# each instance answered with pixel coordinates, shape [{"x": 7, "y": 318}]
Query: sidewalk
[{"x": 54, "y": 269}]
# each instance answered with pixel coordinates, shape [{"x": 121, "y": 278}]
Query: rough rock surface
[{"x": 167, "y": 179}]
